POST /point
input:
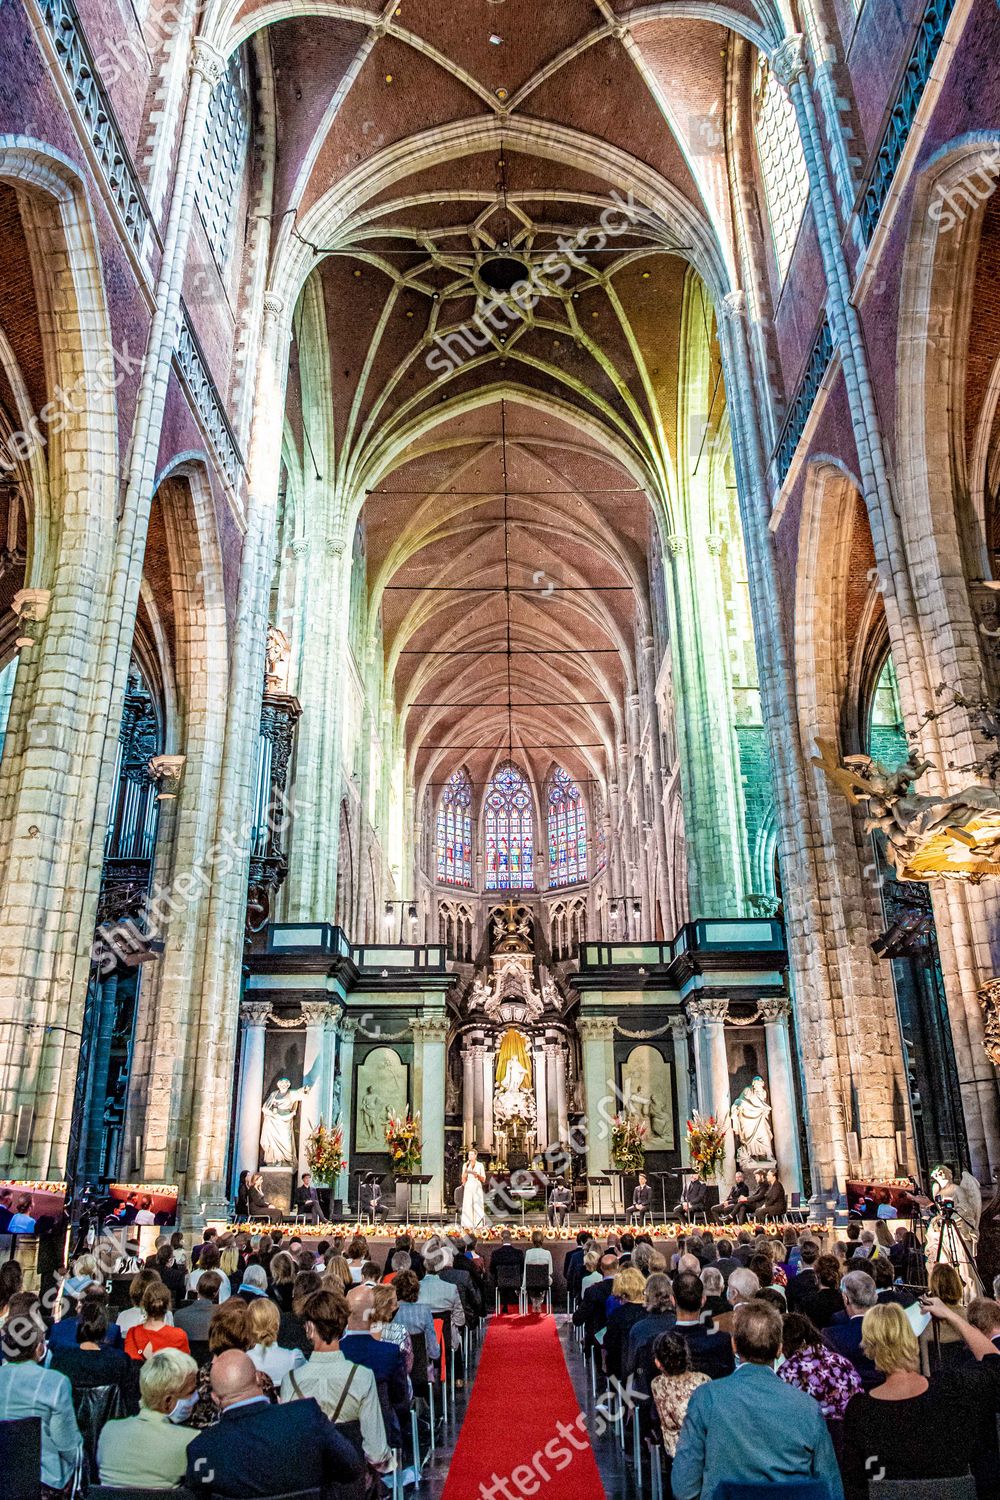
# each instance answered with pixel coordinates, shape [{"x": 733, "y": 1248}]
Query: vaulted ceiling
[{"x": 508, "y": 461}]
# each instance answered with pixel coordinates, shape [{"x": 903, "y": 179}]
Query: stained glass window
[
  {"x": 509, "y": 832},
  {"x": 454, "y": 831},
  {"x": 567, "y": 831},
  {"x": 782, "y": 163}
]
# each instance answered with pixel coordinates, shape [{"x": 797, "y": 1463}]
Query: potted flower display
[
  {"x": 706, "y": 1136},
  {"x": 325, "y": 1152},
  {"x": 627, "y": 1135},
  {"x": 402, "y": 1136}
]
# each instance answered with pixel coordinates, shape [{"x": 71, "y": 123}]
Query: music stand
[
  {"x": 663, "y": 1189},
  {"x": 600, "y": 1183},
  {"x": 421, "y": 1180}
]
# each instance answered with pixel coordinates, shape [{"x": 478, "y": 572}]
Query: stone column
[
  {"x": 551, "y": 1093},
  {"x": 541, "y": 1098},
  {"x": 253, "y": 1014},
  {"x": 345, "y": 1062},
  {"x": 599, "y": 1100},
  {"x": 468, "y": 1095},
  {"x": 486, "y": 1137},
  {"x": 477, "y": 1093},
  {"x": 679, "y": 1036},
  {"x": 432, "y": 1033},
  {"x": 314, "y": 1014},
  {"x": 708, "y": 1018},
  {"x": 562, "y": 1095},
  {"x": 781, "y": 1088}
]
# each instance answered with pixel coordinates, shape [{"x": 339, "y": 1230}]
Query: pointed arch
[
  {"x": 567, "y": 830},
  {"x": 454, "y": 830},
  {"x": 509, "y": 831}
]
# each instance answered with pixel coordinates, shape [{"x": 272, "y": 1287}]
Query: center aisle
[{"x": 523, "y": 1424}]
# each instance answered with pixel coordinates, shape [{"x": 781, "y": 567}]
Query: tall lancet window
[
  {"x": 567, "y": 831},
  {"x": 454, "y": 831},
  {"x": 782, "y": 163},
  {"x": 510, "y": 855}
]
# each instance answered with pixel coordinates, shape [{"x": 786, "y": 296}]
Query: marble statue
[
  {"x": 382, "y": 1090},
  {"x": 648, "y": 1095},
  {"x": 513, "y": 1099},
  {"x": 277, "y": 1135},
  {"x": 751, "y": 1121}
]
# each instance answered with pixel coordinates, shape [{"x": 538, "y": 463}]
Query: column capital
[
  {"x": 596, "y": 1028},
  {"x": 274, "y": 305},
  {"x": 714, "y": 542},
  {"x": 207, "y": 61},
  {"x": 314, "y": 1012},
  {"x": 708, "y": 1011},
  {"x": 734, "y": 304},
  {"x": 677, "y": 543},
  {"x": 774, "y": 1008},
  {"x": 789, "y": 61},
  {"x": 348, "y": 1027},
  {"x": 679, "y": 1025},
  {"x": 255, "y": 1012},
  {"x": 31, "y": 607},
  {"x": 432, "y": 1028},
  {"x": 167, "y": 770}
]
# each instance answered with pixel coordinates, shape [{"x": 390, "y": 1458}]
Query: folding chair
[
  {"x": 423, "y": 1390},
  {"x": 536, "y": 1280},
  {"x": 797, "y": 1209},
  {"x": 509, "y": 1280}
]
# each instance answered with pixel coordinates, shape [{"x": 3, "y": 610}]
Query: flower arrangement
[
  {"x": 325, "y": 1151},
  {"x": 707, "y": 1143},
  {"x": 627, "y": 1151},
  {"x": 402, "y": 1136}
]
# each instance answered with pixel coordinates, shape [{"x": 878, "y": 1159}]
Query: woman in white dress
[{"x": 473, "y": 1178}]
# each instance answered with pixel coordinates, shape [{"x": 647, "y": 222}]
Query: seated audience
[
  {"x": 62, "y": 1335},
  {"x": 405, "y": 1243},
  {"x": 196, "y": 1317},
  {"x": 154, "y": 1332},
  {"x": 845, "y": 1335},
  {"x": 591, "y": 1269},
  {"x": 210, "y": 1259},
  {"x": 751, "y": 1427},
  {"x": 253, "y": 1283},
  {"x": 28, "y": 1389},
  {"x": 149, "y": 1451},
  {"x": 386, "y": 1326},
  {"x": 984, "y": 1314},
  {"x": 346, "y": 1391},
  {"x": 658, "y": 1301},
  {"x": 172, "y": 1273},
  {"x": 338, "y": 1275},
  {"x": 92, "y": 1363},
  {"x": 229, "y": 1329},
  {"x": 804, "y": 1283},
  {"x": 130, "y": 1316},
  {"x": 384, "y": 1359},
  {"x": 356, "y": 1255},
  {"x": 673, "y": 1385},
  {"x": 881, "y": 1269},
  {"x": 282, "y": 1273},
  {"x": 909, "y": 1426},
  {"x": 823, "y": 1306},
  {"x": 413, "y": 1315},
  {"x": 629, "y": 1290},
  {"x": 815, "y": 1368},
  {"x": 711, "y": 1349},
  {"x": 537, "y": 1255},
  {"x": 715, "y": 1291},
  {"x": 508, "y": 1255},
  {"x": 443, "y": 1297},
  {"x": 742, "y": 1287},
  {"x": 265, "y": 1352},
  {"x": 592, "y": 1312},
  {"x": 726, "y": 1262},
  {"x": 255, "y": 1447}
]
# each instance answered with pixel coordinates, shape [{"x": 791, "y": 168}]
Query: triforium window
[
  {"x": 567, "y": 831},
  {"x": 227, "y": 136},
  {"x": 454, "y": 831},
  {"x": 509, "y": 832},
  {"x": 782, "y": 163}
]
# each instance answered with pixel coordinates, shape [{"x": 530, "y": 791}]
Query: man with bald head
[
  {"x": 385, "y": 1361},
  {"x": 260, "y": 1449}
]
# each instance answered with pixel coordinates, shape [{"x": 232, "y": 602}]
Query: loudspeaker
[{"x": 22, "y": 1134}]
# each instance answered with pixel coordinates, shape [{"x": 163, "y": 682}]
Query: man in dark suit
[
  {"x": 456, "y": 1268},
  {"x": 693, "y": 1199},
  {"x": 805, "y": 1283},
  {"x": 727, "y": 1261},
  {"x": 560, "y": 1201},
  {"x": 573, "y": 1265},
  {"x": 405, "y": 1242},
  {"x": 592, "y": 1313},
  {"x": 260, "y": 1449},
  {"x": 775, "y": 1204},
  {"x": 370, "y": 1205},
  {"x": 507, "y": 1254},
  {"x": 642, "y": 1198},
  {"x": 735, "y": 1198},
  {"x": 711, "y": 1350},
  {"x": 859, "y": 1293},
  {"x": 752, "y": 1207},
  {"x": 307, "y": 1200}
]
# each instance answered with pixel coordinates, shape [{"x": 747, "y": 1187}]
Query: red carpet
[{"x": 523, "y": 1432}]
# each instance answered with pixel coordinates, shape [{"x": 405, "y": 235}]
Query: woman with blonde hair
[
  {"x": 266, "y": 1353},
  {"x": 629, "y": 1288},
  {"x": 337, "y": 1276},
  {"x": 591, "y": 1261},
  {"x": 908, "y": 1427},
  {"x": 384, "y": 1324}
]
